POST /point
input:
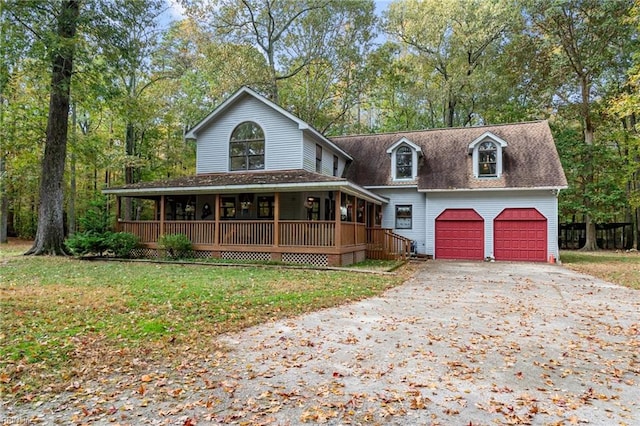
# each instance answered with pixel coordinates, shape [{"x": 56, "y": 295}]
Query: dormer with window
[
  {"x": 404, "y": 160},
  {"x": 486, "y": 154}
]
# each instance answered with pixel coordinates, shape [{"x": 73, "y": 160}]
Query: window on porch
[
  {"x": 266, "y": 206},
  {"x": 228, "y": 207}
]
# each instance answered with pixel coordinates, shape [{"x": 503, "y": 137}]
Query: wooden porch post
[
  {"x": 356, "y": 226},
  {"x": 338, "y": 218},
  {"x": 216, "y": 223},
  {"x": 276, "y": 219},
  {"x": 162, "y": 214},
  {"x": 118, "y": 212}
]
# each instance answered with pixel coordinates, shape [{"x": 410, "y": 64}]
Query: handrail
[{"x": 383, "y": 243}]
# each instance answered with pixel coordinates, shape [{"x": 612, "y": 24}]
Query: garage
[
  {"x": 520, "y": 234},
  {"x": 459, "y": 235}
]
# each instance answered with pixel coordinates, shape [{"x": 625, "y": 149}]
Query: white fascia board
[
  {"x": 487, "y": 135},
  {"x": 191, "y": 134},
  {"x": 327, "y": 141},
  {"x": 392, "y": 187},
  {"x": 359, "y": 191},
  {"x": 302, "y": 125},
  {"x": 346, "y": 187},
  {"x": 536, "y": 188},
  {"x": 405, "y": 141}
]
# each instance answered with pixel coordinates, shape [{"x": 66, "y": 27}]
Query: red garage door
[
  {"x": 520, "y": 234},
  {"x": 460, "y": 235}
]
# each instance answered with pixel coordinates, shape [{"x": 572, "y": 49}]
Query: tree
[
  {"x": 128, "y": 39},
  {"x": 328, "y": 90},
  {"x": 625, "y": 106},
  {"x": 586, "y": 39},
  {"x": 50, "y": 234},
  {"x": 455, "y": 40},
  {"x": 278, "y": 29}
]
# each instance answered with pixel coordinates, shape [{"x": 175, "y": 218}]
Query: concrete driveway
[{"x": 461, "y": 343}]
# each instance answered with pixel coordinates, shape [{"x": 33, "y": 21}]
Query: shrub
[
  {"x": 96, "y": 219},
  {"x": 88, "y": 242},
  {"x": 177, "y": 246},
  {"x": 121, "y": 243},
  {"x": 95, "y": 243}
]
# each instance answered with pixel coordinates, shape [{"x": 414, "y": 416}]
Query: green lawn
[{"x": 61, "y": 315}]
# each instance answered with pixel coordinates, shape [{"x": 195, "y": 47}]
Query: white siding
[
  {"x": 406, "y": 196},
  {"x": 309, "y": 157},
  {"x": 309, "y": 154},
  {"x": 283, "y": 139},
  {"x": 489, "y": 204}
]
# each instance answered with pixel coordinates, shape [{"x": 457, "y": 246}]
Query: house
[{"x": 268, "y": 186}]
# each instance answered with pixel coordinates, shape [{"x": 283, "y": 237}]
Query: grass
[
  {"x": 63, "y": 317},
  {"x": 617, "y": 267}
]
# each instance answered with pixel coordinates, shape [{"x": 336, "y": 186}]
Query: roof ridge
[{"x": 404, "y": 132}]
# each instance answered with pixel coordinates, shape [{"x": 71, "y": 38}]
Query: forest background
[{"x": 143, "y": 75}]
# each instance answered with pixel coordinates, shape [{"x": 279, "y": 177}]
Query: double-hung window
[
  {"x": 404, "y": 217},
  {"x": 487, "y": 159}
]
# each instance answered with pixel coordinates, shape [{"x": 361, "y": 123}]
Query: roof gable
[
  {"x": 246, "y": 91},
  {"x": 405, "y": 141},
  {"x": 484, "y": 137}
]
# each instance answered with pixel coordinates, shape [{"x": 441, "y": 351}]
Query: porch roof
[{"x": 235, "y": 182}]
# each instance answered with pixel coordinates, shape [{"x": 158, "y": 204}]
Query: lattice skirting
[
  {"x": 144, "y": 253},
  {"x": 241, "y": 255},
  {"x": 306, "y": 258},
  {"x": 202, "y": 254},
  {"x": 151, "y": 253}
]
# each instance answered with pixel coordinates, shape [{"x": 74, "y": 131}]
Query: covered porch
[{"x": 326, "y": 222}]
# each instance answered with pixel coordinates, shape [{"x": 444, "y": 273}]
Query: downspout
[{"x": 557, "y": 228}]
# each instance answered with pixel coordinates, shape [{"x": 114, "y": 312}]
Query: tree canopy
[{"x": 141, "y": 78}]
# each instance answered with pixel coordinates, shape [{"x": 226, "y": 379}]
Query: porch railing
[
  {"x": 199, "y": 232},
  {"x": 304, "y": 233},
  {"x": 253, "y": 233},
  {"x": 352, "y": 233},
  {"x": 147, "y": 231},
  {"x": 383, "y": 244}
]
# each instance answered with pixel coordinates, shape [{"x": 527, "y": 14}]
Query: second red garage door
[
  {"x": 460, "y": 235},
  {"x": 520, "y": 234}
]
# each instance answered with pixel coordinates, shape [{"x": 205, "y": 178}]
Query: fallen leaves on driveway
[{"x": 534, "y": 344}]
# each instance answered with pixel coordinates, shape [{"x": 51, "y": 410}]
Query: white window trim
[
  {"x": 416, "y": 152},
  {"x": 474, "y": 146}
]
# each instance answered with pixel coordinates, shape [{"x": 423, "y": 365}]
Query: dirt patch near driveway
[{"x": 459, "y": 343}]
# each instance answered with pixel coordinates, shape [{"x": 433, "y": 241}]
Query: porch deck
[{"x": 294, "y": 241}]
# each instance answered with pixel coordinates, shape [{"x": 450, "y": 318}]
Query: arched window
[
  {"x": 487, "y": 159},
  {"x": 404, "y": 163},
  {"x": 246, "y": 147}
]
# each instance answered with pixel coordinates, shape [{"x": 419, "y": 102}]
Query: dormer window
[
  {"x": 487, "y": 159},
  {"x": 404, "y": 160},
  {"x": 487, "y": 155},
  {"x": 404, "y": 163},
  {"x": 246, "y": 147}
]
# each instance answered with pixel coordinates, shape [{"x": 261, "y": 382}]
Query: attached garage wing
[
  {"x": 521, "y": 235},
  {"x": 459, "y": 235}
]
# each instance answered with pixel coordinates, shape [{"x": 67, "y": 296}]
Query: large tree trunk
[
  {"x": 591, "y": 243},
  {"x": 50, "y": 234},
  {"x": 4, "y": 204}
]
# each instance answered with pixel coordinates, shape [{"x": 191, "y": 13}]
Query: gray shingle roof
[
  {"x": 530, "y": 160},
  {"x": 266, "y": 178}
]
